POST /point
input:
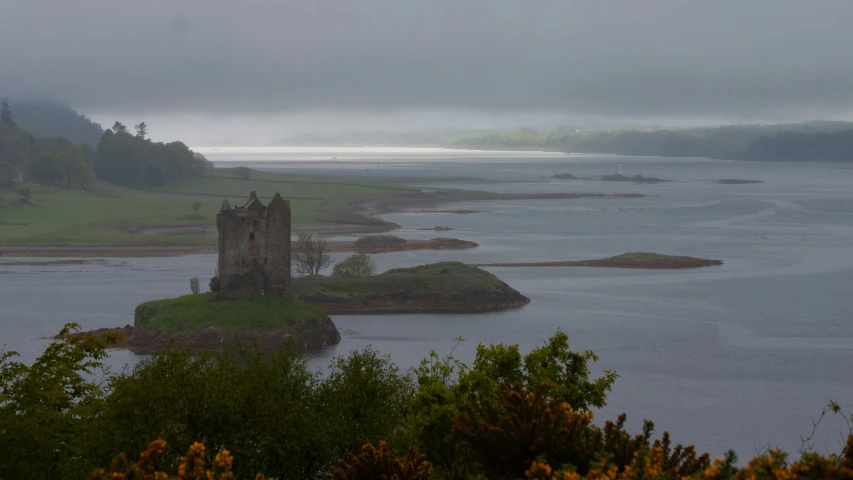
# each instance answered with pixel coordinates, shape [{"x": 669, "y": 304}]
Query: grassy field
[
  {"x": 113, "y": 214},
  {"x": 193, "y": 313}
]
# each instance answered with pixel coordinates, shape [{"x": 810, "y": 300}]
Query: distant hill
[
  {"x": 794, "y": 141},
  {"x": 50, "y": 118}
]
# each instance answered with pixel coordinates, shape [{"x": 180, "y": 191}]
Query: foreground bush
[
  {"x": 506, "y": 416},
  {"x": 192, "y": 466},
  {"x": 382, "y": 463}
]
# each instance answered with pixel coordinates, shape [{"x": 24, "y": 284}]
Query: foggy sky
[{"x": 629, "y": 59}]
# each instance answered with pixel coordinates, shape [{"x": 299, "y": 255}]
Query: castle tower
[{"x": 256, "y": 238}]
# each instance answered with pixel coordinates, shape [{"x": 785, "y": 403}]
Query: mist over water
[{"x": 735, "y": 356}]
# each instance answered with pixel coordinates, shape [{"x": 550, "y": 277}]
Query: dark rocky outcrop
[
  {"x": 305, "y": 335},
  {"x": 141, "y": 339}
]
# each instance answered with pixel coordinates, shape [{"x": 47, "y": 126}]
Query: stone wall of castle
[{"x": 256, "y": 238}]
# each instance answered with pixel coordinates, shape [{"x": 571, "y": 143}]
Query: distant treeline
[
  {"x": 49, "y": 160},
  {"x": 133, "y": 160},
  {"x": 119, "y": 156},
  {"x": 804, "y": 141}
]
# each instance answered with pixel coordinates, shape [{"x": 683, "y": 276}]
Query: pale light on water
[{"x": 737, "y": 356}]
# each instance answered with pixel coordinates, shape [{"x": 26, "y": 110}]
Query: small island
[
  {"x": 618, "y": 177},
  {"x": 735, "y": 181},
  {"x": 448, "y": 287},
  {"x": 642, "y": 260},
  {"x": 254, "y": 301},
  {"x": 436, "y": 229},
  {"x": 194, "y": 321},
  {"x": 564, "y": 176}
]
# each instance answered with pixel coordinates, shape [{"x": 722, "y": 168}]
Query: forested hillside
[
  {"x": 132, "y": 159},
  {"x": 121, "y": 157},
  {"x": 802, "y": 141},
  {"x": 49, "y": 118}
]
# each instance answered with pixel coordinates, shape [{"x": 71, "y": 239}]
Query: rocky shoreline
[
  {"x": 140, "y": 339},
  {"x": 384, "y": 304}
]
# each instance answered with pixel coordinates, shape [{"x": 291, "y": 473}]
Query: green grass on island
[
  {"x": 109, "y": 213},
  {"x": 193, "y": 313},
  {"x": 444, "y": 279}
]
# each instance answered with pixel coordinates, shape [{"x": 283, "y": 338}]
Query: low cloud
[{"x": 656, "y": 58}]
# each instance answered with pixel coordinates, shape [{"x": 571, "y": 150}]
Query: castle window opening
[
  {"x": 254, "y": 224},
  {"x": 255, "y": 263},
  {"x": 265, "y": 260},
  {"x": 251, "y": 235}
]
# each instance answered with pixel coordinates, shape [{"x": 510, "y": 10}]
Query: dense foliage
[
  {"x": 506, "y": 416},
  {"x": 356, "y": 265},
  {"x": 120, "y": 157},
  {"x": 133, "y": 160},
  {"x": 804, "y": 146},
  {"x": 52, "y": 161}
]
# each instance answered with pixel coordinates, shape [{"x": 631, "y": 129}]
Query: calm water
[{"x": 738, "y": 356}]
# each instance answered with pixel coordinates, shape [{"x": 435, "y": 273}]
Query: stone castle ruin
[{"x": 254, "y": 248}]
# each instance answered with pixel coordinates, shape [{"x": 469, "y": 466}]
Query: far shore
[{"x": 343, "y": 150}]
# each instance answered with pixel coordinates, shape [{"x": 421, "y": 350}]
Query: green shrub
[
  {"x": 194, "y": 285},
  {"x": 215, "y": 284},
  {"x": 358, "y": 265}
]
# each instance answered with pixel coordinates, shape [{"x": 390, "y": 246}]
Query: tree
[
  {"x": 200, "y": 165},
  {"x": 26, "y": 193},
  {"x": 132, "y": 160},
  {"x": 141, "y": 130},
  {"x": 447, "y": 387},
  {"x": 8, "y": 175},
  {"x": 118, "y": 127},
  {"x": 78, "y": 173},
  {"x": 243, "y": 172},
  {"x": 358, "y": 265},
  {"x": 365, "y": 399},
  {"x": 50, "y": 406},
  {"x": 310, "y": 255},
  {"x": 194, "y": 285},
  {"x": 196, "y": 206},
  {"x": 6, "y": 113},
  {"x": 67, "y": 167},
  {"x": 48, "y": 168}
]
